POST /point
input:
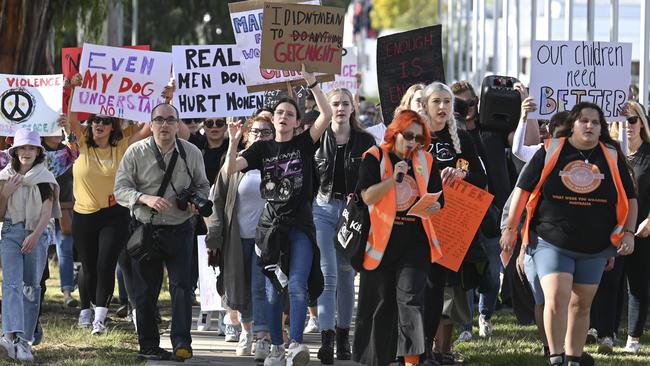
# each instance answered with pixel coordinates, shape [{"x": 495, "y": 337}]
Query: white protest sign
[
  {"x": 209, "y": 83},
  {"x": 246, "y": 18},
  {"x": 564, "y": 73},
  {"x": 347, "y": 79},
  {"x": 210, "y": 299},
  {"x": 32, "y": 102},
  {"x": 121, "y": 82}
]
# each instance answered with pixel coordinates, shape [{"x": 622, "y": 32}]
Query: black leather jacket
[{"x": 325, "y": 161}]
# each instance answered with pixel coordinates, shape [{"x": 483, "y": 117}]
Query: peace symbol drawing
[{"x": 17, "y": 105}]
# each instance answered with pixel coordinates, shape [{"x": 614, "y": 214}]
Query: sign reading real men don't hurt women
[
  {"x": 404, "y": 59},
  {"x": 209, "y": 83},
  {"x": 121, "y": 82},
  {"x": 295, "y": 34},
  {"x": 565, "y": 73}
]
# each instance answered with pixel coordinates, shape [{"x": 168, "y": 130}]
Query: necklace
[{"x": 586, "y": 157}]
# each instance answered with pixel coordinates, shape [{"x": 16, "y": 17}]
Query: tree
[{"x": 404, "y": 15}]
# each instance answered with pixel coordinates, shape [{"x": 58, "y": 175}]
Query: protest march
[{"x": 334, "y": 182}]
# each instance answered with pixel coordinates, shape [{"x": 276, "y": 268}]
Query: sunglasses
[
  {"x": 102, "y": 121},
  {"x": 409, "y": 136},
  {"x": 633, "y": 120},
  {"x": 261, "y": 132},
  {"x": 210, "y": 123}
]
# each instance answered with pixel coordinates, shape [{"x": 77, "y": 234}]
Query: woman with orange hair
[{"x": 400, "y": 247}]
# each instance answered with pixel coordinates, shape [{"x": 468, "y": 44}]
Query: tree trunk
[{"x": 25, "y": 27}]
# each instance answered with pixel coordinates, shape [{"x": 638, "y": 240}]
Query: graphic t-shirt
[
  {"x": 287, "y": 173},
  {"x": 442, "y": 149},
  {"x": 408, "y": 241},
  {"x": 577, "y": 207}
]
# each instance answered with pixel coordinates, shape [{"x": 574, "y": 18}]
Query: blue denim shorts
[
  {"x": 533, "y": 278},
  {"x": 586, "y": 268}
]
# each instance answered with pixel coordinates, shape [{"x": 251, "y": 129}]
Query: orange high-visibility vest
[
  {"x": 382, "y": 213},
  {"x": 553, "y": 148}
]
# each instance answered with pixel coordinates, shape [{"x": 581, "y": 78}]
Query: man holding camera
[{"x": 162, "y": 180}]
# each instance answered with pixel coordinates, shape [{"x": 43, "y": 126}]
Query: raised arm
[
  {"x": 142, "y": 133},
  {"x": 325, "y": 116},
  {"x": 233, "y": 162},
  {"x": 73, "y": 119},
  {"x": 520, "y": 147}
]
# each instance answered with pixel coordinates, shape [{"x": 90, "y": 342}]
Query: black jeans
[
  {"x": 604, "y": 307},
  {"x": 175, "y": 249},
  {"x": 637, "y": 270}
]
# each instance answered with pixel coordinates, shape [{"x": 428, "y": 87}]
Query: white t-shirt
[
  {"x": 249, "y": 204},
  {"x": 377, "y": 131}
]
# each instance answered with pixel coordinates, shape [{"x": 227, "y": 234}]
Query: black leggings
[
  {"x": 637, "y": 271},
  {"x": 99, "y": 238}
]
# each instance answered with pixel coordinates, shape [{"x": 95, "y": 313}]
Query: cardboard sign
[
  {"x": 296, "y": 34},
  {"x": 298, "y": 93},
  {"x": 120, "y": 82},
  {"x": 458, "y": 221},
  {"x": 70, "y": 57},
  {"x": 246, "y": 17},
  {"x": 404, "y": 59},
  {"x": 564, "y": 73},
  {"x": 210, "y": 299},
  {"x": 210, "y": 83},
  {"x": 347, "y": 77},
  {"x": 32, "y": 102}
]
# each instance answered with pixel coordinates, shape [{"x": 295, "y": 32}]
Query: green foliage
[{"x": 404, "y": 14}]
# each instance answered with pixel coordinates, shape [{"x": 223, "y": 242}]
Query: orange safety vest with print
[
  {"x": 382, "y": 213},
  {"x": 553, "y": 148}
]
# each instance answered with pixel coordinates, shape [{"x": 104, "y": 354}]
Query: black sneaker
[
  {"x": 154, "y": 354},
  {"x": 587, "y": 360},
  {"x": 182, "y": 353},
  {"x": 122, "y": 311}
]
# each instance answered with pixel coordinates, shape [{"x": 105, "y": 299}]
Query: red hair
[{"x": 402, "y": 121}]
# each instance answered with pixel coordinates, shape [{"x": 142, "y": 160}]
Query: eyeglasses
[
  {"x": 170, "y": 120},
  {"x": 211, "y": 123},
  {"x": 409, "y": 136},
  {"x": 103, "y": 121},
  {"x": 633, "y": 120},
  {"x": 280, "y": 112},
  {"x": 261, "y": 132}
]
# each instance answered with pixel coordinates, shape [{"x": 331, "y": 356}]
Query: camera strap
[{"x": 167, "y": 169}]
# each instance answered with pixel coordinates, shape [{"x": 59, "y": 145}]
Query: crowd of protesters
[{"x": 570, "y": 207}]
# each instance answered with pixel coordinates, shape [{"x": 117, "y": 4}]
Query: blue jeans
[
  {"x": 66, "y": 260},
  {"x": 338, "y": 292},
  {"x": 302, "y": 255},
  {"x": 256, "y": 312},
  {"x": 21, "y": 289}
]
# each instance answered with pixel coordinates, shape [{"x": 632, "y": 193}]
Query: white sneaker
[
  {"x": 245, "y": 344},
  {"x": 98, "y": 328},
  {"x": 592, "y": 336},
  {"x": 8, "y": 348},
  {"x": 312, "y": 325},
  {"x": 632, "y": 346},
  {"x": 484, "y": 327},
  {"x": 605, "y": 345},
  {"x": 297, "y": 354},
  {"x": 232, "y": 333},
  {"x": 85, "y": 318},
  {"x": 276, "y": 356},
  {"x": 262, "y": 349},
  {"x": 24, "y": 351},
  {"x": 204, "y": 322},
  {"x": 464, "y": 336}
]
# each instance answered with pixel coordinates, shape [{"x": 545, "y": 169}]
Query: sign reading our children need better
[
  {"x": 296, "y": 34},
  {"x": 32, "y": 102},
  {"x": 564, "y": 73},
  {"x": 209, "y": 83},
  {"x": 121, "y": 82}
]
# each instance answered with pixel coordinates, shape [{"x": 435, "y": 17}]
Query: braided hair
[{"x": 451, "y": 120}]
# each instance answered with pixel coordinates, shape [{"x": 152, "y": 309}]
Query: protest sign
[
  {"x": 210, "y": 83},
  {"x": 564, "y": 73},
  {"x": 70, "y": 57},
  {"x": 347, "y": 77},
  {"x": 210, "y": 299},
  {"x": 456, "y": 224},
  {"x": 32, "y": 102},
  {"x": 298, "y": 93},
  {"x": 121, "y": 82},
  {"x": 246, "y": 17},
  {"x": 404, "y": 59},
  {"x": 297, "y": 34}
]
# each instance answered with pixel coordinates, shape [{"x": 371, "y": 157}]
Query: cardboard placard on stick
[
  {"x": 404, "y": 59},
  {"x": 458, "y": 221},
  {"x": 296, "y": 34},
  {"x": 564, "y": 73},
  {"x": 347, "y": 78},
  {"x": 246, "y": 18}
]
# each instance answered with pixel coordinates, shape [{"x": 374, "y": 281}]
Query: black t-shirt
[
  {"x": 442, "y": 149},
  {"x": 212, "y": 160},
  {"x": 338, "y": 184},
  {"x": 64, "y": 180},
  {"x": 408, "y": 241},
  {"x": 640, "y": 163},
  {"x": 577, "y": 207},
  {"x": 287, "y": 173},
  {"x": 198, "y": 140}
]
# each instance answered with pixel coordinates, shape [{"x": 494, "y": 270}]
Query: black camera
[{"x": 188, "y": 195}]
